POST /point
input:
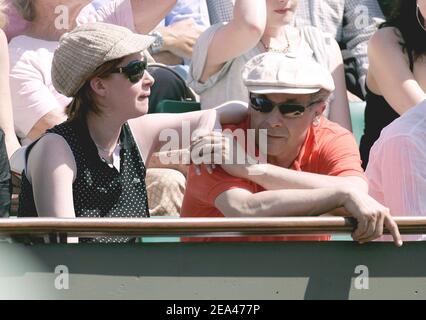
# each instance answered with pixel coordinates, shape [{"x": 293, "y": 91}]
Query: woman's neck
[
  {"x": 281, "y": 36},
  {"x": 104, "y": 131},
  {"x": 50, "y": 21}
]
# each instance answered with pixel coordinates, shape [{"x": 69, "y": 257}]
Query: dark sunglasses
[
  {"x": 134, "y": 70},
  {"x": 292, "y": 110}
]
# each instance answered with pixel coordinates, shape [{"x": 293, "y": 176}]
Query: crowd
[{"x": 81, "y": 80}]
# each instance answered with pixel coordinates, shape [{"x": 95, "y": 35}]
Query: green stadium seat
[{"x": 357, "y": 117}]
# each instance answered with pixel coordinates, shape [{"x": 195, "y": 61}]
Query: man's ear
[
  {"x": 98, "y": 86},
  {"x": 319, "y": 110}
]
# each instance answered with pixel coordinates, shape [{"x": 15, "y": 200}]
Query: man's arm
[
  {"x": 147, "y": 14},
  {"x": 272, "y": 177},
  {"x": 340, "y": 165},
  {"x": 370, "y": 215},
  {"x": 278, "y": 203}
]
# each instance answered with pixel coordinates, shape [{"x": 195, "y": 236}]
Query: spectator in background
[
  {"x": 6, "y": 114},
  {"x": 313, "y": 165},
  {"x": 396, "y": 79},
  {"x": 6, "y": 121},
  {"x": 397, "y": 167},
  {"x": 36, "y": 104},
  {"x": 177, "y": 33},
  {"x": 257, "y": 27},
  {"x": 16, "y": 24},
  {"x": 350, "y": 22}
]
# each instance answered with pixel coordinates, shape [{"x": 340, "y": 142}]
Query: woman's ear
[{"x": 98, "y": 86}]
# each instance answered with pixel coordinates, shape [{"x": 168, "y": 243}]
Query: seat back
[{"x": 357, "y": 118}]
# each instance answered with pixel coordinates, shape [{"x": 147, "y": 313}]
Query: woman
[
  {"x": 93, "y": 165},
  {"x": 257, "y": 27},
  {"x": 396, "y": 79}
]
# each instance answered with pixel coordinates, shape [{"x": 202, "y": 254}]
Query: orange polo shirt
[{"x": 328, "y": 149}]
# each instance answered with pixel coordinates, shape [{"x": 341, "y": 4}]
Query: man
[
  {"x": 397, "y": 167},
  {"x": 350, "y": 22},
  {"x": 313, "y": 165}
]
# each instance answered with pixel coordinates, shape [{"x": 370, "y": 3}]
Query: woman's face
[
  {"x": 125, "y": 98},
  {"x": 280, "y": 12}
]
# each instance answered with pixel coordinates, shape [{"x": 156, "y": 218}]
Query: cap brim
[
  {"x": 133, "y": 43},
  {"x": 267, "y": 90}
]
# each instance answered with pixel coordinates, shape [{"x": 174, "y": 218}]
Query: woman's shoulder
[{"x": 386, "y": 36}]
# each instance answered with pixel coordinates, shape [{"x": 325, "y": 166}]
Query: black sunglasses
[
  {"x": 292, "y": 110},
  {"x": 134, "y": 70}
]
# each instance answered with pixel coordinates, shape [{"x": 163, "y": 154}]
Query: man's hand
[
  {"x": 180, "y": 37},
  {"x": 371, "y": 217}
]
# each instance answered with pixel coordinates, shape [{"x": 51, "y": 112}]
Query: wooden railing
[{"x": 194, "y": 227}]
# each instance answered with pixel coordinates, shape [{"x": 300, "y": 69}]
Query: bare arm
[
  {"x": 6, "y": 115},
  {"x": 370, "y": 215},
  {"x": 339, "y": 107},
  {"x": 147, "y": 129},
  {"x": 272, "y": 177},
  {"x": 52, "y": 177},
  {"x": 240, "y": 35},
  {"x": 389, "y": 74},
  {"x": 147, "y": 14},
  {"x": 278, "y": 203}
]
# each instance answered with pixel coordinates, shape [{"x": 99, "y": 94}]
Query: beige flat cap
[
  {"x": 89, "y": 46},
  {"x": 273, "y": 72}
]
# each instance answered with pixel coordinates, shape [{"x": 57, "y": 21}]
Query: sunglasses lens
[
  {"x": 292, "y": 110},
  {"x": 261, "y": 104},
  {"x": 135, "y": 70}
]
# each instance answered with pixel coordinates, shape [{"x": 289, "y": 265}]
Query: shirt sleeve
[
  {"x": 207, "y": 187},
  {"x": 189, "y": 9},
  {"x": 339, "y": 156},
  {"x": 403, "y": 177},
  {"x": 32, "y": 98}
]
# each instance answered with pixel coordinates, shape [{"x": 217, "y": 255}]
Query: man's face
[{"x": 286, "y": 134}]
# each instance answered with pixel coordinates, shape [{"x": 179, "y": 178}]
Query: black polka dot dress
[{"x": 99, "y": 190}]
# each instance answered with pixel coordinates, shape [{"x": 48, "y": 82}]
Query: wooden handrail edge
[{"x": 195, "y": 226}]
